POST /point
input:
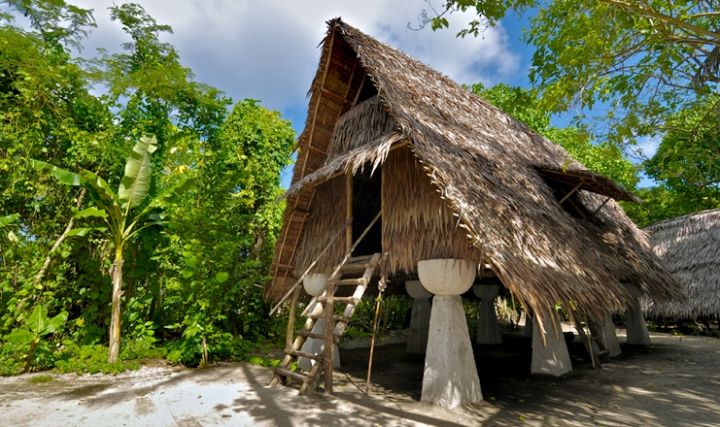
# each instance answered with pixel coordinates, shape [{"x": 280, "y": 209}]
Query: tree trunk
[{"x": 115, "y": 308}]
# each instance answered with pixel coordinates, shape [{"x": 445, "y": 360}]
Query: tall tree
[
  {"x": 643, "y": 60},
  {"x": 222, "y": 240},
  {"x": 46, "y": 112}
]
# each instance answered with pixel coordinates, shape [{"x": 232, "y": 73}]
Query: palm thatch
[
  {"x": 547, "y": 225},
  {"x": 689, "y": 246}
]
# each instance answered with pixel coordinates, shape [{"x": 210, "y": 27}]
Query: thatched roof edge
[{"x": 689, "y": 247}]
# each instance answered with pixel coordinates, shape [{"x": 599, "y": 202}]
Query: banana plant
[{"x": 117, "y": 210}]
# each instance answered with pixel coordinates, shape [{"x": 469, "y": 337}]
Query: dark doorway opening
[{"x": 365, "y": 205}]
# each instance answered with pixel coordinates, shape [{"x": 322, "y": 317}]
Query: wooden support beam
[
  {"x": 348, "y": 210},
  {"x": 334, "y": 97},
  {"x": 360, "y": 89},
  {"x": 317, "y": 150},
  {"x": 601, "y": 206},
  {"x": 571, "y": 192}
]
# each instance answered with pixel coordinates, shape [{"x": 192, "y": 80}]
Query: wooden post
[
  {"x": 290, "y": 333},
  {"x": 348, "y": 211},
  {"x": 378, "y": 301},
  {"x": 329, "y": 331}
]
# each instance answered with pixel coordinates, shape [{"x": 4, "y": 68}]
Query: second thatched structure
[{"x": 689, "y": 247}]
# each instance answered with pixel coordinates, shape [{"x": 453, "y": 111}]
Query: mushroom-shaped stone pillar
[
  {"x": 315, "y": 284},
  {"x": 527, "y": 318},
  {"x": 488, "y": 330},
  {"x": 637, "y": 332},
  {"x": 608, "y": 336},
  {"x": 419, "y": 319},
  {"x": 450, "y": 377},
  {"x": 549, "y": 350}
]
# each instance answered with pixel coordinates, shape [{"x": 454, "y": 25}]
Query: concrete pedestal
[
  {"x": 528, "y": 325},
  {"x": 609, "y": 338},
  {"x": 550, "y": 357},
  {"x": 316, "y": 346},
  {"x": 637, "y": 332},
  {"x": 450, "y": 377},
  {"x": 419, "y": 324},
  {"x": 488, "y": 330},
  {"x": 419, "y": 318}
]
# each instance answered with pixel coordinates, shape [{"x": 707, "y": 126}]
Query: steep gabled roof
[
  {"x": 689, "y": 246},
  {"x": 492, "y": 170}
]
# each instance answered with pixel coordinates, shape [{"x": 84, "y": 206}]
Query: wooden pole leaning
[
  {"x": 378, "y": 301},
  {"x": 307, "y": 270},
  {"x": 290, "y": 333}
]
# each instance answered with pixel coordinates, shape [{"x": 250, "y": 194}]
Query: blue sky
[{"x": 269, "y": 50}]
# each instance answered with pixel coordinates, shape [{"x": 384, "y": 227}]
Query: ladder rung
[
  {"x": 308, "y": 334},
  {"x": 290, "y": 374},
  {"x": 350, "y": 282},
  {"x": 353, "y": 268},
  {"x": 359, "y": 259},
  {"x": 340, "y": 300},
  {"x": 336, "y": 317},
  {"x": 298, "y": 353}
]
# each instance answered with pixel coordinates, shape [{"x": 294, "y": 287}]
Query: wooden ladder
[
  {"x": 357, "y": 272},
  {"x": 593, "y": 345}
]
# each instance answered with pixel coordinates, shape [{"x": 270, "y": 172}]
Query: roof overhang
[{"x": 586, "y": 180}]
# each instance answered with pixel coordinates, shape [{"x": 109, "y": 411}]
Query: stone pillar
[
  {"x": 488, "y": 330},
  {"x": 608, "y": 336},
  {"x": 637, "y": 332},
  {"x": 315, "y": 284},
  {"x": 550, "y": 357},
  {"x": 419, "y": 319},
  {"x": 528, "y": 328},
  {"x": 450, "y": 377},
  {"x": 315, "y": 345}
]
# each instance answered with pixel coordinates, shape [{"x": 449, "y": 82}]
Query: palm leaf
[
  {"x": 135, "y": 183},
  {"x": 63, "y": 175},
  {"x": 101, "y": 191}
]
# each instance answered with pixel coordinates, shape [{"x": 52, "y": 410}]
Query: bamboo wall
[{"x": 327, "y": 216}]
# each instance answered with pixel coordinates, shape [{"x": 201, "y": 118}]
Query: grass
[{"x": 40, "y": 379}]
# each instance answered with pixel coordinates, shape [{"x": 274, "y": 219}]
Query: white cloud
[
  {"x": 647, "y": 146},
  {"x": 268, "y": 50}
]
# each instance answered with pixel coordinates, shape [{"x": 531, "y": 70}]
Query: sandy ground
[{"x": 675, "y": 383}]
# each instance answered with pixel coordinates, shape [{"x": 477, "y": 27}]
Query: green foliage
[
  {"x": 644, "y": 60},
  {"x": 193, "y": 258},
  {"x": 394, "y": 315},
  {"x": 41, "y": 379},
  {"x": 662, "y": 202},
  {"x": 221, "y": 346},
  {"x": 89, "y": 359},
  {"x": 27, "y": 340}
]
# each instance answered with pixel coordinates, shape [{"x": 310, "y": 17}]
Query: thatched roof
[
  {"x": 689, "y": 246},
  {"x": 500, "y": 179}
]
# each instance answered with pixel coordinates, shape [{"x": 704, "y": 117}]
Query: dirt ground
[{"x": 674, "y": 383}]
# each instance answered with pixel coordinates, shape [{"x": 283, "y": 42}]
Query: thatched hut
[
  {"x": 689, "y": 247},
  {"x": 451, "y": 176}
]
